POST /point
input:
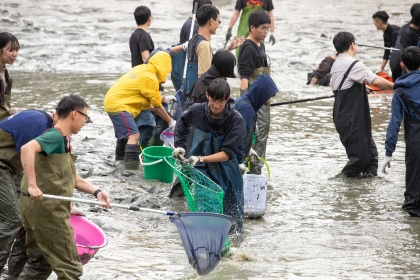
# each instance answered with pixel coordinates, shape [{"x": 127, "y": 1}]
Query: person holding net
[{"x": 219, "y": 130}]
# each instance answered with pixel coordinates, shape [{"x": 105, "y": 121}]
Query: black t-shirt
[
  {"x": 267, "y": 5},
  {"x": 410, "y": 37},
  {"x": 140, "y": 41},
  {"x": 390, "y": 38},
  {"x": 251, "y": 56},
  {"x": 184, "y": 35}
]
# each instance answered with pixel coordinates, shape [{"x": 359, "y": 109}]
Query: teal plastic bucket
[{"x": 154, "y": 165}]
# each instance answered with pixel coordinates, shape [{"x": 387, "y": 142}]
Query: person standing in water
[
  {"x": 351, "y": 113},
  {"x": 406, "y": 105},
  {"x": 9, "y": 50}
]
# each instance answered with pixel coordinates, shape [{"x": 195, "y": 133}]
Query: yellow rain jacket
[{"x": 136, "y": 90}]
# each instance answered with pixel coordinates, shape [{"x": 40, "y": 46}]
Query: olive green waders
[
  {"x": 11, "y": 230},
  {"x": 263, "y": 124},
  {"x": 50, "y": 244}
]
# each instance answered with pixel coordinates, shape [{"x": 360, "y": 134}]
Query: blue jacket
[
  {"x": 262, "y": 89},
  {"x": 410, "y": 85}
]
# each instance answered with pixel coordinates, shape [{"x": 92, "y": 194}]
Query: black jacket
[
  {"x": 197, "y": 93},
  {"x": 231, "y": 125}
]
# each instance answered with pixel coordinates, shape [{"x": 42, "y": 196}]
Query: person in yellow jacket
[{"x": 135, "y": 91}]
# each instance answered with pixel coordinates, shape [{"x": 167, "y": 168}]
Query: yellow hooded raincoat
[{"x": 138, "y": 89}]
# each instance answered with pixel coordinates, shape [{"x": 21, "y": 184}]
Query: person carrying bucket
[
  {"x": 247, "y": 7},
  {"x": 259, "y": 94},
  {"x": 219, "y": 130},
  {"x": 49, "y": 168},
  {"x": 252, "y": 62},
  {"x": 15, "y": 131},
  {"x": 135, "y": 91}
]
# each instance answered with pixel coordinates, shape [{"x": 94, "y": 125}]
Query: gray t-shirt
[{"x": 359, "y": 73}]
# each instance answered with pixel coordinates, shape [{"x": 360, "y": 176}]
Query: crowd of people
[{"x": 214, "y": 132}]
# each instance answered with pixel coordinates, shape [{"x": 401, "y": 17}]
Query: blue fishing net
[{"x": 203, "y": 236}]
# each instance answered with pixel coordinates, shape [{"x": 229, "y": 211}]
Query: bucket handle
[
  {"x": 265, "y": 163},
  {"x": 149, "y": 163}
]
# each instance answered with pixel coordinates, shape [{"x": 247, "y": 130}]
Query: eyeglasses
[
  {"x": 220, "y": 22},
  {"x": 219, "y": 102},
  {"x": 265, "y": 28},
  {"x": 355, "y": 43},
  {"x": 87, "y": 118}
]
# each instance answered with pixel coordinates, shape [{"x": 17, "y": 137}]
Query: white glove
[
  {"x": 385, "y": 163},
  {"x": 169, "y": 98},
  {"x": 242, "y": 168},
  {"x": 253, "y": 155},
  {"x": 172, "y": 125},
  {"x": 193, "y": 160},
  {"x": 379, "y": 71},
  {"x": 178, "y": 152},
  {"x": 185, "y": 46}
]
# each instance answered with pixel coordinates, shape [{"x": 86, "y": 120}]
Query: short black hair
[
  {"x": 415, "y": 17},
  {"x": 142, "y": 14},
  {"x": 342, "y": 41},
  {"x": 219, "y": 89},
  {"x": 70, "y": 103},
  {"x": 382, "y": 15},
  {"x": 200, "y": 3},
  {"x": 6, "y": 38},
  {"x": 411, "y": 58},
  {"x": 413, "y": 8},
  {"x": 225, "y": 63},
  {"x": 205, "y": 13},
  {"x": 257, "y": 18}
]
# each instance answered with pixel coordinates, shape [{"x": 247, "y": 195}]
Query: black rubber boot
[
  {"x": 120, "y": 149},
  {"x": 132, "y": 153}
]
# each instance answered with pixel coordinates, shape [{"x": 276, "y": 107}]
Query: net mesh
[{"x": 201, "y": 193}]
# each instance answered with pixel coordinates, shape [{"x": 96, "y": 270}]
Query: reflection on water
[{"x": 314, "y": 226}]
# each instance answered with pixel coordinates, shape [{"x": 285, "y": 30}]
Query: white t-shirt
[{"x": 359, "y": 73}]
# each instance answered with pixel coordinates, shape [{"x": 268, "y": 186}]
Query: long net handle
[{"x": 184, "y": 75}]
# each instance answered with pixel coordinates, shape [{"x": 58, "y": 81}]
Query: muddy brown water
[{"x": 313, "y": 227}]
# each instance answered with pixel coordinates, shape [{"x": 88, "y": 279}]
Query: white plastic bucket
[
  {"x": 255, "y": 194},
  {"x": 167, "y": 136}
]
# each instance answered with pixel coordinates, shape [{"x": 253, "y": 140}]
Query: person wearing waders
[
  {"x": 219, "y": 130},
  {"x": 259, "y": 94},
  {"x": 178, "y": 60},
  {"x": 351, "y": 113},
  {"x": 406, "y": 106},
  {"x": 380, "y": 20},
  {"x": 252, "y": 62},
  {"x": 199, "y": 52},
  {"x": 408, "y": 35},
  {"x": 49, "y": 168},
  {"x": 9, "y": 49},
  {"x": 135, "y": 91},
  {"x": 15, "y": 131},
  {"x": 247, "y": 7}
]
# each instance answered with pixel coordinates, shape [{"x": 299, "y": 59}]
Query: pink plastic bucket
[{"x": 88, "y": 236}]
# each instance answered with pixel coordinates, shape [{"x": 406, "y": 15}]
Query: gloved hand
[
  {"x": 169, "y": 98},
  {"x": 193, "y": 160},
  {"x": 178, "y": 152},
  {"x": 253, "y": 156},
  {"x": 385, "y": 163},
  {"x": 243, "y": 91},
  {"x": 185, "y": 46},
  {"x": 242, "y": 168},
  {"x": 272, "y": 39},
  {"x": 228, "y": 34},
  {"x": 172, "y": 125},
  {"x": 379, "y": 70}
]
